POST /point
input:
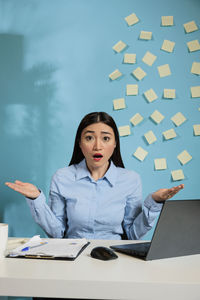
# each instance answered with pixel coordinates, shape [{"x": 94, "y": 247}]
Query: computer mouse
[{"x": 103, "y": 253}]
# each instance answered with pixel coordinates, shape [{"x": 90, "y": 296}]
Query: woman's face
[{"x": 97, "y": 144}]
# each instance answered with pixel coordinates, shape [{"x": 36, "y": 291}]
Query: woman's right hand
[{"x": 27, "y": 189}]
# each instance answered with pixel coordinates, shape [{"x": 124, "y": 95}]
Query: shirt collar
[{"x": 110, "y": 175}]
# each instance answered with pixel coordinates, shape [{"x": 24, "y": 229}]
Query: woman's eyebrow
[
  {"x": 92, "y": 131},
  {"x": 106, "y": 132},
  {"x": 89, "y": 131}
]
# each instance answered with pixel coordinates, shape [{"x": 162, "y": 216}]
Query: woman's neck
[{"x": 98, "y": 172}]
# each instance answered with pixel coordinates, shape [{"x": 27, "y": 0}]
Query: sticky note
[
  {"x": 160, "y": 163},
  {"x": 184, "y": 157},
  {"x": 119, "y": 103},
  {"x": 129, "y": 58},
  {"x": 169, "y": 93},
  {"x": 196, "y": 129},
  {"x": 150, "y": 137},
  {"x": 136, "y": 119},
  {"x": 150, "y": 95},
  {"x": 195, "y": 68},
  {"x": 145, "y": 35},
  {"x": 120, "y": 46},
  {"x": 139, "y": 73},
  {"x": 115, "y": 74},
  {"x": 167, "y": 20},
  {"x": 177, "y": 175},
  {"x": 131, "y": 89},
  {"x": 149, "y": 58},
  {"x": 124, "y": 130},
  {"x": 140, "y": 153},
  {"x": 169, "y": 134},
  {"x": 132, "y": 19},
  {"x": 178, "y": 119},
  {"x": 168, "y": 46},
  {"x": 164, "y": 70},
  {"x": 157, "y": 117},
  {"x": 193, "y": 45},
  {"x": 195, "y": 91},
  {"x": 190, "y": 27}
]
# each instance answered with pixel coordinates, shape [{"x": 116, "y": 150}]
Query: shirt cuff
[
  {"x": 37, "y": 202},
  {"x": 151, "y": 204}
]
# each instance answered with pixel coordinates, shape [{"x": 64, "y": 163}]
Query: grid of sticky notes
[{"x": 134, "y": 88}]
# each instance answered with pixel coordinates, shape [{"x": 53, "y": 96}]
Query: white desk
[{"x": 123, "y": 278}]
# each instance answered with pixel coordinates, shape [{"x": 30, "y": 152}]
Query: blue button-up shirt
[{"x": 81, "y": 207}]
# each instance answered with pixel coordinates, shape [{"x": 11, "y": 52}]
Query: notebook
[{"x": 176, "y": 233}]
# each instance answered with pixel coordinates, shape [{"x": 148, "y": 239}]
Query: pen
[{"x": 30, "y": 247}]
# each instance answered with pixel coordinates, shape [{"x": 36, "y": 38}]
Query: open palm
[
  {"x": 165, "y": 194},
  {"x": 27, "y": 189}
]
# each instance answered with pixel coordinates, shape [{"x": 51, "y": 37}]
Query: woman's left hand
[{"x": 165, "y": 194}]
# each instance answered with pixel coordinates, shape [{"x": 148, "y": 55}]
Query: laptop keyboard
[{"x": 138, "y": 249}]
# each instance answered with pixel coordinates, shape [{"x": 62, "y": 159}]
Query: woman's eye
[
  {"x": 88, "y": 138},
  {"x": 106, "y": 138}
]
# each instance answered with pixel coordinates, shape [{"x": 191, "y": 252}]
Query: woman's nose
[{"x": 97, "y": 144}]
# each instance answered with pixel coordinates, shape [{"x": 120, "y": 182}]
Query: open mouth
[{"x": 97, "y": 156}]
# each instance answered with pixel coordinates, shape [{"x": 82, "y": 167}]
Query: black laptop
[{"x": 177, "y": 233}]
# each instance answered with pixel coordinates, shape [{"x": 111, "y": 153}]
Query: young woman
[{"x": 95, "y": 196}]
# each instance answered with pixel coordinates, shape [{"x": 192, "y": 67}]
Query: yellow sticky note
[
  {"x": 195, "y": 91},
  {"x": 195, "y": 68},
  {"x": 150, "y": 137},
  {"x": 169, "y": 134},
  {"x": 193, "y": 45},
  {"x": 157, "y": 116},
  {"x": 178, "y": 119},
  {"x": 190, "y": 27},
  {"x": 149, "y": 58},
  {"x": 131, "y": 89},
  {"x": 119, "y": 103},
  {"x": 136, "y": 119},
  {"x": 145, "y": 35},
  {"x": 177, "y": 175},
  {"x": 184, "y": 157},
  {"x": 139, "y": 73},
  {"x": 168, "y": 46},
  {"x": 150, "y": 95},
  {"x": 124, "y": 130},
  {"x": 129, "y": 58},
  {"x": 169, "y": 93},
  {"x": 132, "y": 19},
  {"x": 120, "y": 46},
  {"x": 115, "y": 74},
  {"x": 160, "y": 163},
  {"x": 140, "y": 153},
  {"x": 164, "y": 70},
  {"x": 167, "y": 20},
  {"x": 196, "y": 128}
]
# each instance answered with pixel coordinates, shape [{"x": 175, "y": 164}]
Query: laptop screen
[{"x": 177, "y": 230}]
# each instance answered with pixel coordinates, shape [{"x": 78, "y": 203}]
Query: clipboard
[
  {"x": 50, "y": 257},
  {"x": 52, "y": 249}
]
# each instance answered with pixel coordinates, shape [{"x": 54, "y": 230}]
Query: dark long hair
[{"x": 91, "y": 118}]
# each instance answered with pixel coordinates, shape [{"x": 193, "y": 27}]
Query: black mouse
[{"x": 103, "y": 253}]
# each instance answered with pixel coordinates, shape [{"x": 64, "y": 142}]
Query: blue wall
[{"x": 55, "y": 58}]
